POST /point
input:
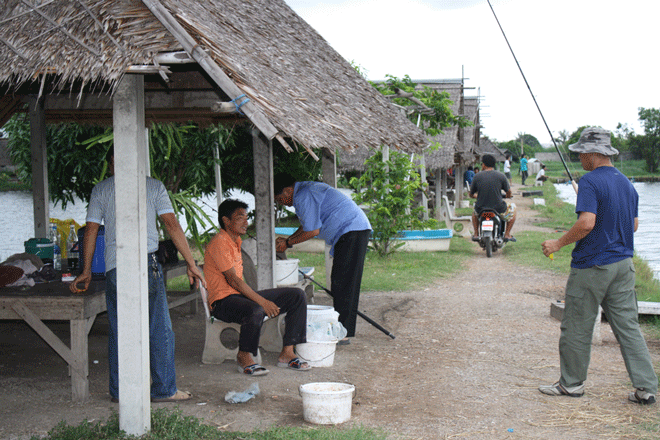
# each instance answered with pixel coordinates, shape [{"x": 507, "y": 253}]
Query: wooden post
[
  {"x": 131, "y": 236},
  {"x": 458, "y": 185},
  {"x": 264, "y": 213},
  {"x": 39, "y": 167},
  {"x": 422, "y": 175},
  {"x": 218, "y": 174},
  {"x": 329, "y": 167}
]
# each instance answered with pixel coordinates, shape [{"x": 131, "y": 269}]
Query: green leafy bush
[{"x": 388, "y": 190}]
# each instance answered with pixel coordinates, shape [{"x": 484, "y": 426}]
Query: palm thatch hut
[
  {"x": 486, "y": 146},
  {"x": 129, "y": 62}
]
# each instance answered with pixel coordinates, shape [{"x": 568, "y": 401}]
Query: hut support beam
[
  {"x": 264, "y": 218},
  {"x": 131, "y": 236},
  {"x": 459, "y": 185},
  {"x": 329, "y": 169},
  {"x": 422, "y": 175},
  {"x": 39, "y": 153}
]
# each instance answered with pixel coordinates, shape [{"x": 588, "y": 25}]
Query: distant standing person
[
  {"x": 602, "y": 273},
  {"x": 523, "y": 168},
  {"x": 469, "y": 175},
  {"x": 333, "y": 216},
  {"x": 507, "y": 168}
]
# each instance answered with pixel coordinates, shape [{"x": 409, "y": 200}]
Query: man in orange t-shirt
[{"x": 231, "y": 299}]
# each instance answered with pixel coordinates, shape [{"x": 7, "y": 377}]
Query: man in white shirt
[
  {"x": 540, "y": 176},
  {"x": 507, "y": 168}
]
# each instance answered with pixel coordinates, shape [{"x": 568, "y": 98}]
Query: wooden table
[{"x": 54, "y": 301}]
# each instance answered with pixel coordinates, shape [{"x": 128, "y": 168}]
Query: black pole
[
  {"x": 360, "y": 314},
  {"x": 534, "y": 98}
]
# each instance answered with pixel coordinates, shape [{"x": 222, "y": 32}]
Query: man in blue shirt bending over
[
  {"x": 602, "y": 273},
  {"x": 325, "y": 212}
]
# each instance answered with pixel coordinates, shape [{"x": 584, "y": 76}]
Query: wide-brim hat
[{"x": 594, "y": 140}]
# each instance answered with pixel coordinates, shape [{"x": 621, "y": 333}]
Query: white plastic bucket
[
  {"x": 317, "y": 353},
  {"x": 327, "y": 403},
  {"x": 321, "y": 314},
  {"x": 286, "y": 272}
]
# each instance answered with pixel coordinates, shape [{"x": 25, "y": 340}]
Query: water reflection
[
  {"x": 647, "y": 236},
  {"x": 17, "y": 225}
]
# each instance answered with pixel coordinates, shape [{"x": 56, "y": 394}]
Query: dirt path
[{"x": 468, "y": 356}]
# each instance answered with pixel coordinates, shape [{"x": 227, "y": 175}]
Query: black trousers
[
  {"x": 250, "y": 315},
  {"x": 346, "y": 276}
]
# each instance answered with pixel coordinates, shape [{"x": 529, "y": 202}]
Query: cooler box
[
  {"x": 41, "y": 247},
  {"x": 98, "y": 262}
]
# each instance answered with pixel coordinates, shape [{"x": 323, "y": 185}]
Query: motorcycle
[{"x": 491, "y": 231}]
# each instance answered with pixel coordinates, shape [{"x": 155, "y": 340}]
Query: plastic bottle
[
  {"x": 72, "y": 249},
  {"x": 57, "y": 251}
]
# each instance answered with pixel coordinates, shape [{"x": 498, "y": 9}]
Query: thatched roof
[
  {"x": 456, "y": 144},
  {"x": 486, "y": 146},
  {"x": 291, "y": 75}
]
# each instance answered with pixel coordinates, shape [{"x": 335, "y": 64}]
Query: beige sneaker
[
  {"x": 641, "y": 396},
  {"x": 557, "y": 389}
]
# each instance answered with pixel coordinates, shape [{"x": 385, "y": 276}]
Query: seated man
[
  {"x": 540, "y": 176},
  {"x": 487, "y": 187},
  {"x": 232, "y": 300}
]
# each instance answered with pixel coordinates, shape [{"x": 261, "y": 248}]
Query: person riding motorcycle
[{"x": 487, "y": 187}]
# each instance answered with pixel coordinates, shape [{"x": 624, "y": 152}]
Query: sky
[{"x": 588, "y": 62}]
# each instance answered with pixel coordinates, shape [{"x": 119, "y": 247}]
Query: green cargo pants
[{"x": 612, "y": 287}]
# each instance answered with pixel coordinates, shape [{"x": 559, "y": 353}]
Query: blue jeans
[{"x": 161, "y": 335}]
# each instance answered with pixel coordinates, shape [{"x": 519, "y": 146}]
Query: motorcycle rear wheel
[{"x": 489, "y": 247}]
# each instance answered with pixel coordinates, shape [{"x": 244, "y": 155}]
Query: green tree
[
  {"x": 530, "y": 143},
  {"x": 388, "y": 189},
  {"x": 648, "y": 145},
  {"x": 438, "y": 114}
]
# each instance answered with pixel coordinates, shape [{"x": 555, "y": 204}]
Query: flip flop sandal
[
  {"x": 295, "y": 364},
  {"x": 253, "y": 370},
  {"x": 179, "y": 396}
]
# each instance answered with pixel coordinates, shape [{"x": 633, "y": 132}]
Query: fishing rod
[
  {"x": 570, "y": 176},
  {"x": 360, "y": 314}
]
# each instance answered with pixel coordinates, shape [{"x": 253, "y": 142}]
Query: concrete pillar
[
  {"x": 39, "y": 153},
  {"x": 131, "y": 234},
  {"x": 264, "y": 218}
]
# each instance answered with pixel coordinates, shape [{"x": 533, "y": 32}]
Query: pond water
[
  {"x": 17, "y": 226},
  {"x": 647, "y": 236}
]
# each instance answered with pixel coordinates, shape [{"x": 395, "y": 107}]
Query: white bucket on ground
[
  {"x": 317, "y": 353},
  {"x": 327, "y": 403},
  {"x": 286, "y": 272}
]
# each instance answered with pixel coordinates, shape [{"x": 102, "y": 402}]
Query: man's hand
[
  {"x": 270, "y": 308},
  {"x": 550, "y": 247},
  {"x": 195, "y": 276},
  {"x": 85, "y": 278},
  {"x": 280, "y": 244}
]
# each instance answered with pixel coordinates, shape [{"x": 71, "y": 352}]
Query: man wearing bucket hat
[
  {"x": 602, "y": 273},
  {"x": 325, "y": 212},
  {"x": 231, "y": 299}
]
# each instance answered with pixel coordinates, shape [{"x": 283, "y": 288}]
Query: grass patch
[
  {"x": 173, "y": 425},
  {"x": 400, "y": 271},
  {"x": 9, "y": 182}
]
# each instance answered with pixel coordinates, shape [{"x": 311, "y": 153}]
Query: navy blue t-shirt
[{"x": 610, "y": 195}]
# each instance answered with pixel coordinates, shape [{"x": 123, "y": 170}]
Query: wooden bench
[
  {"x": 460, "y": 224},
  {"x": 176, "y": 298}
]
